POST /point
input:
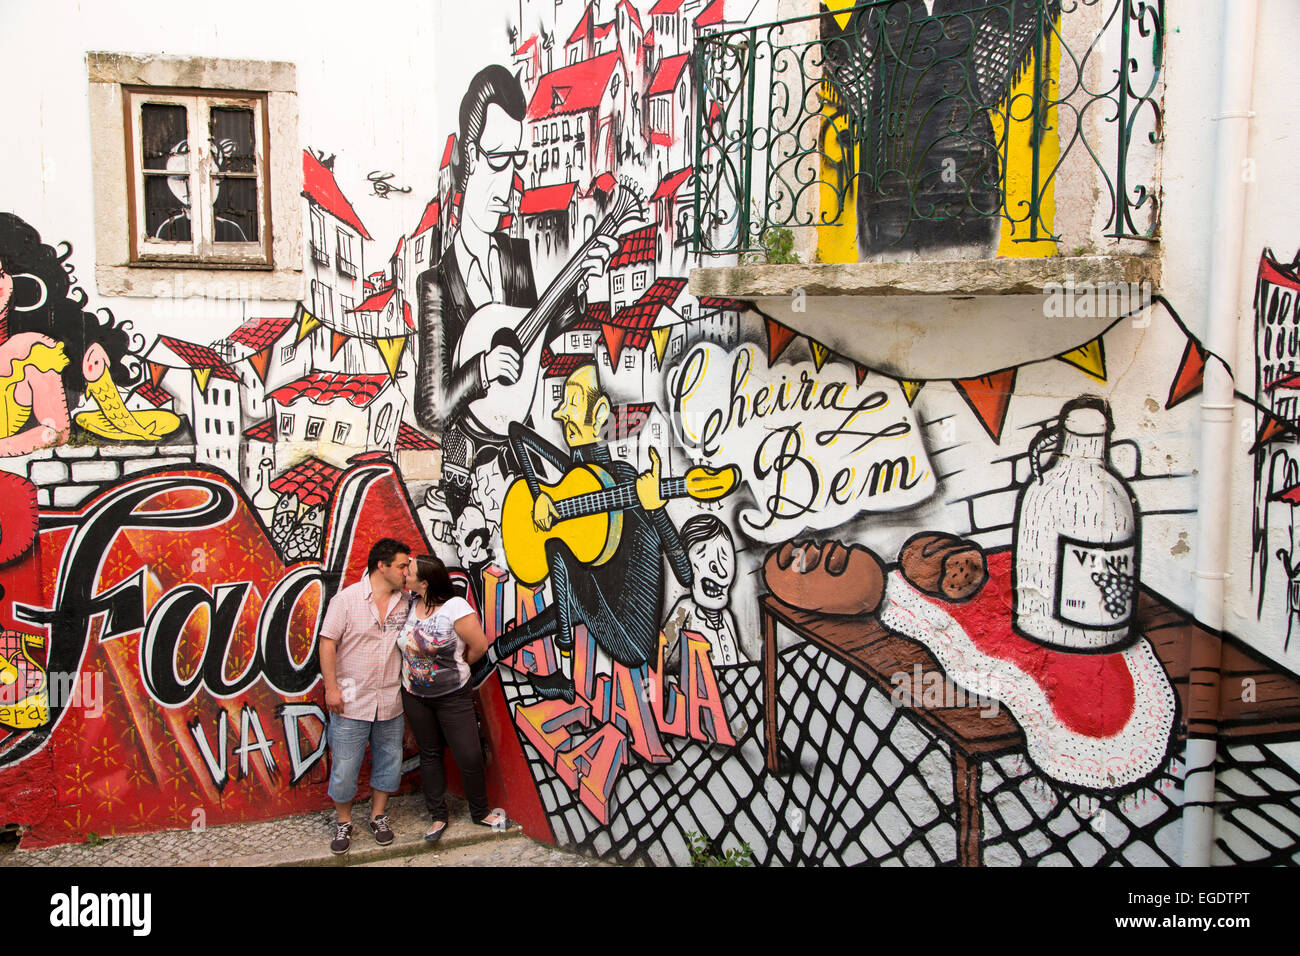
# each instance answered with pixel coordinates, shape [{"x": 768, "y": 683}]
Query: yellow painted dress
[{"x": 13, "y": 413}]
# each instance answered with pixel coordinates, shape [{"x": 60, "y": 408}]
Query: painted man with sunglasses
[{"x": 480, "y": 265}]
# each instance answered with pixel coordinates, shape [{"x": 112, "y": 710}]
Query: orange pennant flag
[
  {"x": 614, "y": 335},
  {"x": 261, "y": 363},
  {"x": 1273, "y": 427},
  {"x": 989, "y": 396},
  {"x": 337, "y": 341},
  {"x": 1190, "y": 375},
  {"x": 778, "y": 339},
  {"x": 156, "y": 373},
  {"x": 860, "y": 371}
]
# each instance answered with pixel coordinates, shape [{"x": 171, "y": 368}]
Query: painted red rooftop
[
  {"x": 152, "y": 394},
  {"x": 718, "y": 302},
  {"x": 446, "y": 151},
  {"x": 564, "y": 364},
  {"x": 634, "y": 247},
  {"x": 199, "y": 357},
  {"x": 311, "y": 480},
  {"x": 712, "y": 14},
  {"x": 605, "y": 182},
  {"x": 628, "y": 419},
  {"x": 573, "y": 88},
  {"x": 669, "y": 185},
  {"x": 262, "y": 431},
  {"x": 325, "y": 387},
  {"x": 376, "y": 302},
  {"x": 631, "y": 13},
  {"x": 319, "y": 186},
  {"x": 409, "y": 439},
  {"x": 666, "y": 7},
  {"x": 429, "y": 219},
  {"x": 257, "y": 334},
  {"x": 546, "y": 199},
  {"x": 666, "y": 77}
]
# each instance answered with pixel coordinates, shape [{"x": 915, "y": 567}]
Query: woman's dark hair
[
  {"x": 492, "y": 84},
  {"x": 62, "y": 316},
  {"x": 430, "y": 569}
]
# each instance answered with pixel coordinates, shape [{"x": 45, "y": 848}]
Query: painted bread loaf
[
  {"x": 829, "y": 578},
  {"x": 943, "y": 565}
]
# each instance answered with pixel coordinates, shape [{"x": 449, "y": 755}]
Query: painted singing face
[
  {"x": 713, "y": 563},
  {"x": 583, "y": 409}
]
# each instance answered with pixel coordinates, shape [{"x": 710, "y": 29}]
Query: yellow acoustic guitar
[{"x": 590, "y": 508}]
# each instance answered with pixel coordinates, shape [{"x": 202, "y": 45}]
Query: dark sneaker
[
  {"x": 382, "y": 831},
  {"x": 342, "y": 838}
]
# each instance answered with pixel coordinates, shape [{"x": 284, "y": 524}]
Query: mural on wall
[{"x": 734, "y": 582}]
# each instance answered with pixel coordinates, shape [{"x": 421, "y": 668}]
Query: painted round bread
[
  {"x": 825, "y": 577},
  {"x": 943, "y": 565}
]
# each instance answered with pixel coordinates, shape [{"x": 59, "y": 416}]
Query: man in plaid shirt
[{"x": 362, "y": 668}]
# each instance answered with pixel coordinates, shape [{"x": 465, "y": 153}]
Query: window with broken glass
[{"x": 198, "y": 174}]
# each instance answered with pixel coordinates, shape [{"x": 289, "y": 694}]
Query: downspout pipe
[{"x": 1217, "y": 452}]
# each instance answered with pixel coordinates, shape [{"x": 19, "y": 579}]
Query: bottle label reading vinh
[{"x": 1096, "y": 584}]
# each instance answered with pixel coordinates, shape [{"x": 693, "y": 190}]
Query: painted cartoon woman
[{"x": 53, "y": 351}]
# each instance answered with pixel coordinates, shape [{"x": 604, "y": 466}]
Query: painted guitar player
[
  {"x": 601, "y": 532},
  {"x": 483, "y": 325}
]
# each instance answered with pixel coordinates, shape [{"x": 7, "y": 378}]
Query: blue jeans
[{"x": 347, "y": 740}]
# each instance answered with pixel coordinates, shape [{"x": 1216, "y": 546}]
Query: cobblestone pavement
[
  {"x": 513, "y": 853},
  {"x": 304, "y": 841}
]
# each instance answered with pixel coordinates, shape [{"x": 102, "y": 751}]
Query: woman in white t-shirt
[{"x": 441, "y": 638}]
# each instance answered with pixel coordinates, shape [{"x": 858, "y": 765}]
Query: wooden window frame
[{"x": 202, "y": 249}]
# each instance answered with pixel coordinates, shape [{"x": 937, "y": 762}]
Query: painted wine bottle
[{"x": 1076, "y": 538}]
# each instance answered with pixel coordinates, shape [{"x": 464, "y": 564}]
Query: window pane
[
  {"x": 165, "y": 146},
  {"x": 231, "y": 129},
  {"x": 166, "y": 208},
  {"x": 235, "y": 208},
  {"x": 164, "y": 136}
]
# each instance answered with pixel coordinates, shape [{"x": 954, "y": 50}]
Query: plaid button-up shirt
[{"x": 369, "y": 665}]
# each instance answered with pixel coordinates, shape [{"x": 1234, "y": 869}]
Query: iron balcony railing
[{"x": 928, "y": 129}]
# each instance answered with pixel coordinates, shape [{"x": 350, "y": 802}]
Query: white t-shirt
[{"x": 433, "y": 655}]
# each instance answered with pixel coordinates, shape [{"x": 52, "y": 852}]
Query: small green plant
[
  {"x": 704, "y": 853},
  {"x": 777, "y": 249},
  {"x": 93, "y": 839}
]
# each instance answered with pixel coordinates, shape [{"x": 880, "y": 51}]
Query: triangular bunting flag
[
  {"x": 613, "y": 341},
  {"x": 819, "y": 352},
  {"x": 201, "y": 376},
  {"x": 1190, "y": 375},
  {"x": 910, "y": 389},
  {"x": 989, "y": 397},
  {"x": 1273, "y": 427},
  {"x": 391, "y": 349},
  {"x": 778, "y": 338},
  {"x": 261, "y": 363},
  {"x": 156, "y": 373},
  {"x": 337, "y": 341},
  {"x": 660, "y": 338},
  {"x": 307, "y": 323},
  {"x": 1090, "y": 358},
  {"x": 860, "y": 371}
]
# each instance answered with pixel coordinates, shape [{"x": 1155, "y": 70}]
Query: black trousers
[{"x": 439, "y": 722}]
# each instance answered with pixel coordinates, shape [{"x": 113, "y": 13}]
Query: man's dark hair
[
  {"x": 385, "y": 551},
  {"x": 492, "y": 84},
  {"x": 704, "y": 528}
]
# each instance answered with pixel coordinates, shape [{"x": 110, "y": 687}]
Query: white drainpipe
[{"x": 1218, "y": 449}]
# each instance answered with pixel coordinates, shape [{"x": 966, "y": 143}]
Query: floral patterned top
[{"x": 433, "y": 655}]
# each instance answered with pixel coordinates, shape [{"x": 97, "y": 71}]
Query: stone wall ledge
[{"x": 950, "y": 277}]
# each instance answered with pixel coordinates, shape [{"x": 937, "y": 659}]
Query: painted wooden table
[{"x": 1206, "y": 672}]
